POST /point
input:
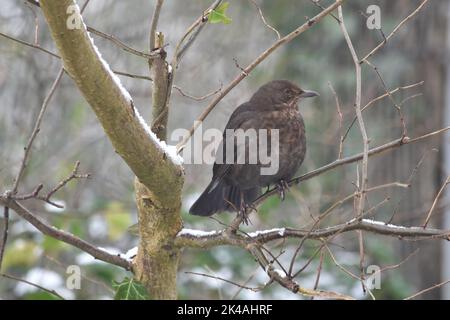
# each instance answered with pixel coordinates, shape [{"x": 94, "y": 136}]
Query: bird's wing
[{"x": 242, "y": 118}]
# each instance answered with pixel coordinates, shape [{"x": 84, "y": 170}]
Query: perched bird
[{"x": 234, "y": 186}]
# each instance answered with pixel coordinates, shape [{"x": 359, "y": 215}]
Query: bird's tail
[{"x": 222, "y": 197}]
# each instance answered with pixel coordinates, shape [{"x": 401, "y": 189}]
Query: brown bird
[{"x": 234, "y": 186}]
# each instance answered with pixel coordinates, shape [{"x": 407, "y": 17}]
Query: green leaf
[
  {"x": 130, "y": 289},
  {"x": 219, "y": 15}
]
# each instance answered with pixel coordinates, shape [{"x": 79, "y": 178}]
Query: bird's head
[{"x": 282, "y": 92}]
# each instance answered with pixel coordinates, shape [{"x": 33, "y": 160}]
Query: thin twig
[
  {"x": 54, "y": 55},
  {"x": 122, "y": 45},
  {"x": 154, "y": 24},
  {"x": 381, "y": 44},
  {"x": 193, "y": 31},
  {"x": 261, "y": 15},
  {"x": 396, "y": 105},
  {"x": 317, "y": 4},
  {"x": 286, "y": 281},
  {"x": 130, "y": 75},
  {"x": 52, "y": 292},
  {"x": 371, "y": 102},
  {"x": 47, "y": 198},
  {"x": 340, "y": 119},
  {"x": 337, "y": 163},
  {"x": 36, "y": 129},
  {"x": 319, "y": 271},
  {"x": 5, "y": 234},
  {"x": 254, "y": 289},
  {"x": 73, "y": 175},
  {"x": 351, "y": 274},
  {"x": 365, "y": 158},
  {"x": 428, "y": 289},
  {"x": 29, "y": 45},
  {"x": 435, "y": 201},
  {"x": 36, "y": 24},
  {"x": 206, "y": 96}
]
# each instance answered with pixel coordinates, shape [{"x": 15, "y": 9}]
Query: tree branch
[
  {"x": 154, "y": 24},
  {"x": 337, "y": 163},
  {"x": 36, "y": 129},
  {"x": 4, "y": 234},
  {"x": 146, "y": 156},
  {"x": 63, "y": 235},
  {"x": 205, "y": 239},
  {"x": 362, "y": 127}
]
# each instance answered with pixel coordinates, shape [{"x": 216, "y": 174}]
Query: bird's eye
[{"x": 288, "y": 92}]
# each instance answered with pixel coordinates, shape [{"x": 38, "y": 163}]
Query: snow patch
[
  {"x": 52, "y": 208},
  {"x": 115, "y": 78},
  {"x": 280, "y": 231},
  {"x": 280, "y": 273},
  {"x": 197, "y": 233},
  {"x": 380, "y": 223},
  {"x": 130, "y": 254},
  {"x": 169, "y": 150}
]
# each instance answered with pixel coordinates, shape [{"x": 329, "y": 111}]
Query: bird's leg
[
  {"x": 243, "y": 209},
  {"x": 282, "y": 187}
]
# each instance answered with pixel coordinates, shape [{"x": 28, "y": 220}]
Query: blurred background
[{"x": 102, "y": 208}]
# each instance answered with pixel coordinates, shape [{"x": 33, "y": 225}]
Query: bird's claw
[
  {"x": 244, "y": 212},
  {"x": 282, "y": 187}
]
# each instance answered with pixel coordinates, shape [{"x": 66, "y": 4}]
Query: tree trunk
[{"x": 159, "y": 221}]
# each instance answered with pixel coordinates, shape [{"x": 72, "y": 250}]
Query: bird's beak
[{"x": 308, "y": 94}]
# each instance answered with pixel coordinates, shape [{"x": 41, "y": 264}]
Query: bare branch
[
  {"x": 204, "y": 240},
  {"x": 130, "y": 75},
  {"x": 365, "y": 158},
  {"x": 387, "y": 94},
  {"x": 427, "y": 290},
  {"x": 412, "y": 14},
  {"x": 54, "y": 55},
  {"x": 340, "y": 119},
  {"x": 206, "y": 96},
  {"x": 63, "y": 235},
  {"x": 337, "y": 163},
  {"x": 194, "y": 30},
  {"x": 287, "y": 282},
  {"x": 47, "y": 198},
  {"x": 73, "y": 175},
  {"x": 122, "y": 45},
  {"x": 52, "y": 292},
  {"x": 351, "y": 274},
  {"x": 154, "y": 24},
  {"x": 396, "y": 105},
  {"x": 261, "y": 15},
  {"x": 29, "y": 44},
  {"x": 36, "y": 129},
  {"x": 254, "y": 289},
  {"x": 5, "y": 234},
  {"x": 446, "y": 182}
]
